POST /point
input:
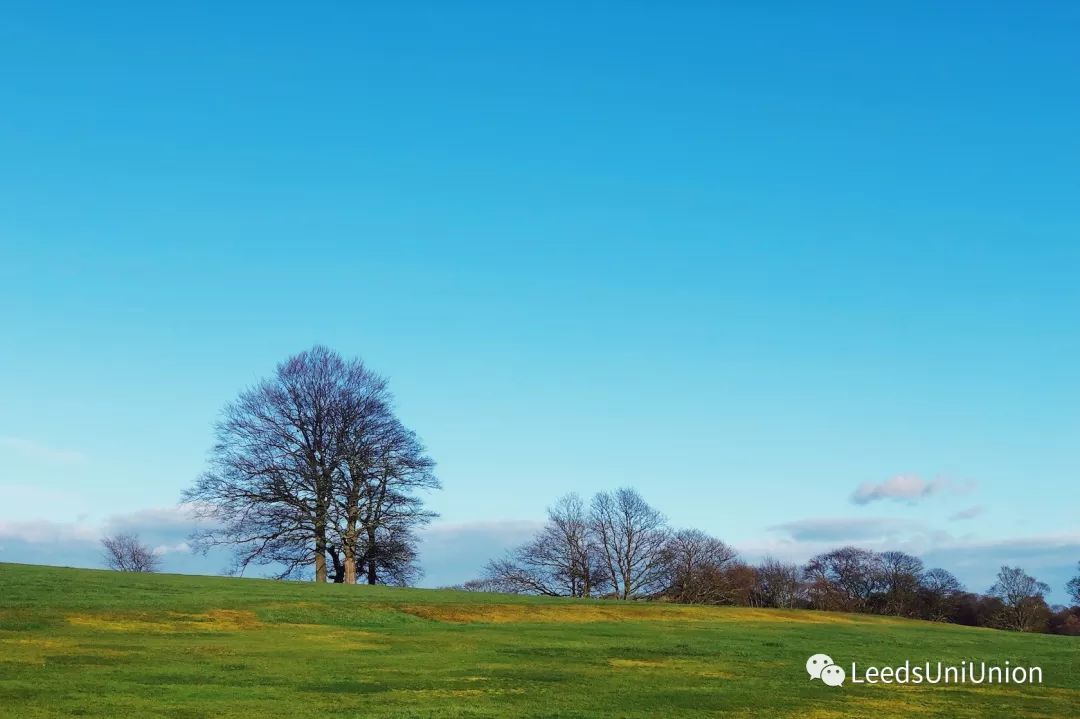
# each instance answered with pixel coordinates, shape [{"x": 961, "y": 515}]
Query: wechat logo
[{"x": 821, "y": 666}]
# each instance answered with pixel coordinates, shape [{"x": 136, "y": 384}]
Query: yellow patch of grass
[
  {"x": 37, "y": 650},
  {"x": 36, "y": 642},
  {"x": 619, "y": 612},
  {"x": 521, "y": 613},
  {"x": 216, "y": 620},
  {"x": 636, "y": 663}
]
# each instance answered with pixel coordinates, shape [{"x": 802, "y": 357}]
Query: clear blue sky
[{"x": 743, "y": 259}]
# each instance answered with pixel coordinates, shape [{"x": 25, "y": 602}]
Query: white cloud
[
  {"x": 167, "y": 527},
  {"x": 39, "y": 452},
  {"x": 178, "y": 548},
  {"x": 907, "y": 488},
  {"x": 42, "y": 531},
  {"x": 168, "y": 520}
]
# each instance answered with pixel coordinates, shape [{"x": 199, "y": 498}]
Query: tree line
[
  {"x": 618, "y": 546},
  {"x": 313, "y": 474}
]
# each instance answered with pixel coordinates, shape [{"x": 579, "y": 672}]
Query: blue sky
[{"x": 747, "y": 260}]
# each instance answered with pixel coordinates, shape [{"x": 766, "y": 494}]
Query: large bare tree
[
  {"x": 631, "y": 535},
  {"x": 288, "y": 453}
]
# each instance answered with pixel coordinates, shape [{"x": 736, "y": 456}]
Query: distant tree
[
  {"x": 632, "y": 536},
  {"x": 562, "y": 560},
  {"x": 899, "y": 575},
  {"x": 938, "y": 592},
  {"x": 696, "y": 571},
  {"x": 476, "y": 585},
  {"x": 738, "y": 582},
  {"x": 778, "y": 584},
  {"x": 844, "y": 579},
  {"x": 977, "y": 610},
  {"x": 1065, "y": 621},
  {"x": 125, "y": 553},
  {"x": 1022, "y": 597},
  {"x": 1073, "y": 587}
]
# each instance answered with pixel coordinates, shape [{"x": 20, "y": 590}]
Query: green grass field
[{"x": 101, "y": 644}]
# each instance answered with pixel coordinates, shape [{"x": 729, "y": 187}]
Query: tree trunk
[
  {"x": 350, "y": 566},
  {"x": 339, "y": 571},
  {"x": 372, "y": 575},
  {"x": 320, "y": 552}
]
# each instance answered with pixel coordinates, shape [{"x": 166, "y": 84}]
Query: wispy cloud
[
  {"x": 842, "y": 529},
  {"x": 969, "y": 513},
  {"x": 40, "y": 452},
  {"x": 42, "y": 531},
  {"x": 166, "y": 527},
  {"x": 907, "y": 488}
]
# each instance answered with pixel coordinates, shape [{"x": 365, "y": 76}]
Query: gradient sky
[{"x": 746, "y": 260}]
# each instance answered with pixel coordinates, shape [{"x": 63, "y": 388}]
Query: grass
[{"x": 100, "y": 644}]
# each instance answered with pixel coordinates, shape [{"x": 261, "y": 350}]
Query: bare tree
[
  {"x": 391, "y": 556},
  {"x": 562, "y": 560},
  {"x": 697, "y": 565},
  {"x": 292, "y": 471},
  {"x": 125, "y": 553},
  {"x": 1022, "y": 596},
  {"x": 1073, "y": 588},
  {"x": 476, "y": 585},
  {"x": 568, "y": 527},
  {"x": 367, "y": 425},
  {"x": 631, "y": 535},
  {"x": 844, "y": 579},
  {"x": 939, "y": 591},
  {"x": 779, "y": 584},
  {"x": 510, "y": 575},
  {"x": 380, "y": 485},
  {"x": 899, "y": 575},
  {"x": 278, "y": 448}
]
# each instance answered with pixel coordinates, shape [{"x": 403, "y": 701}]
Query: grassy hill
[{"x": 101, "y": 644}]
